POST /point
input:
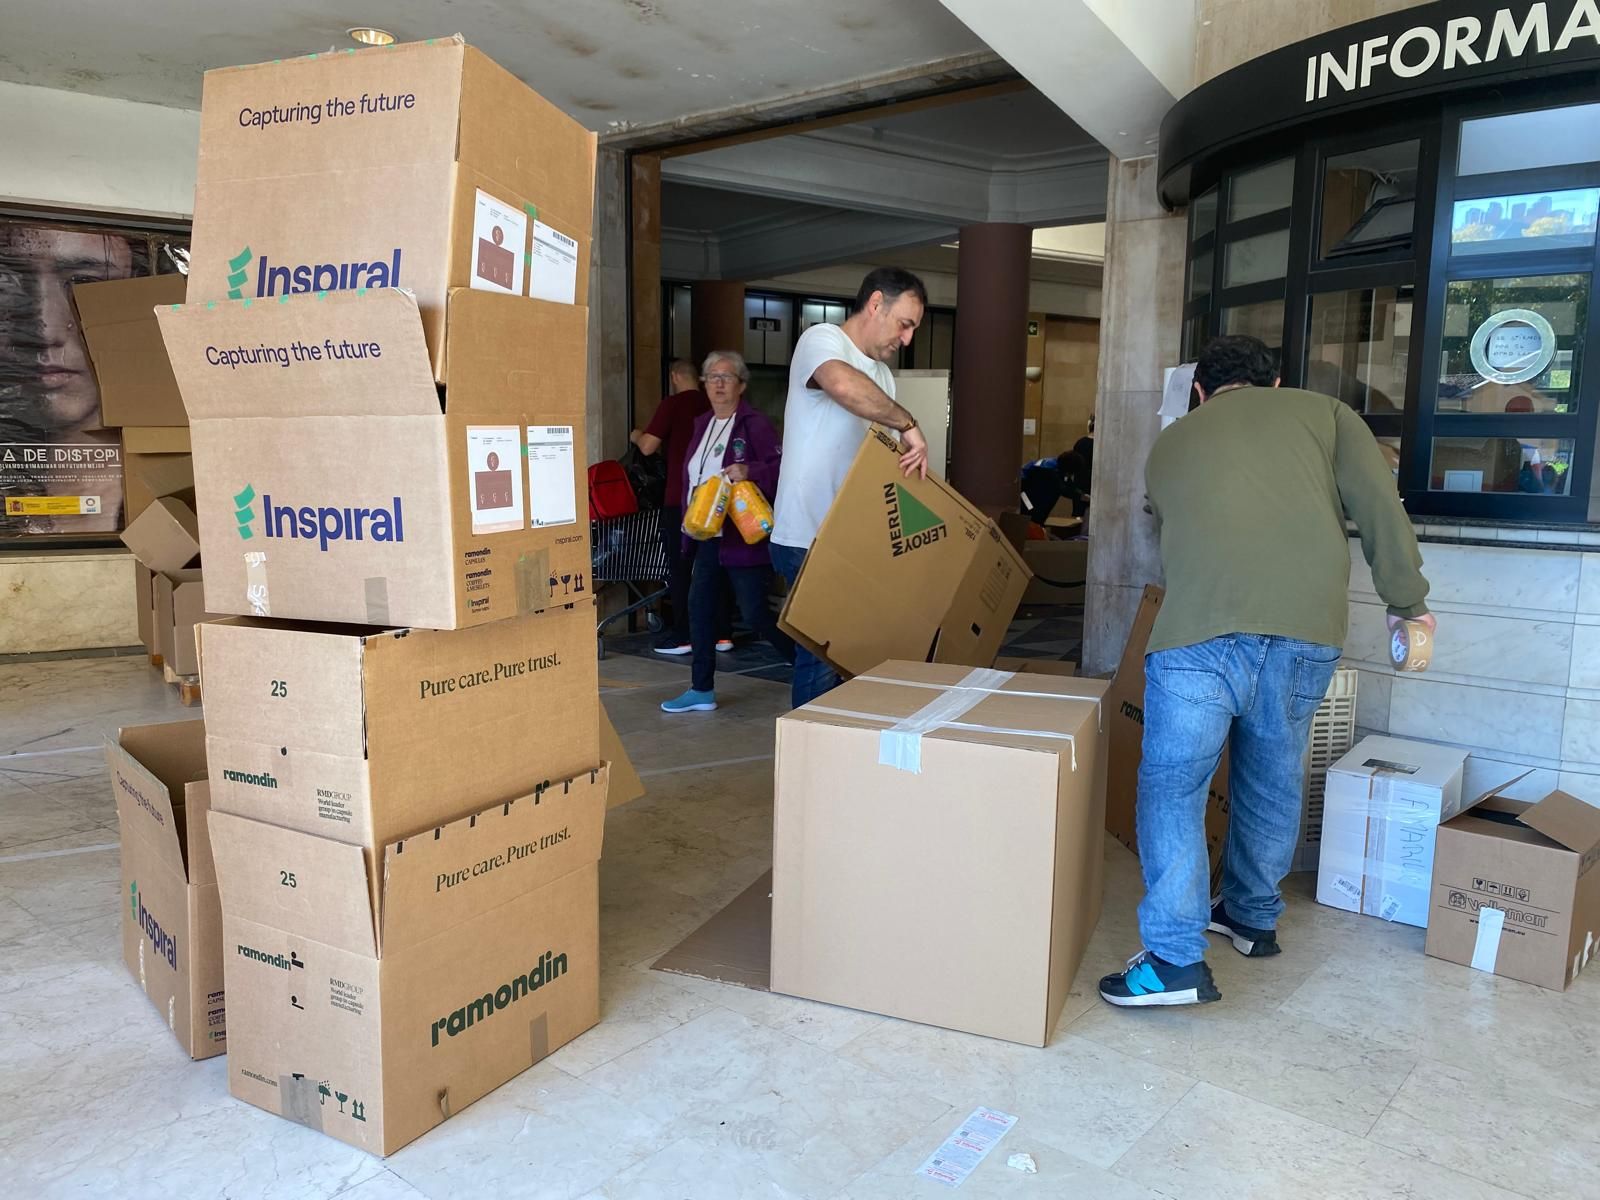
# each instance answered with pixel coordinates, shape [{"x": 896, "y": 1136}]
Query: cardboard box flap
[
  {"x": 1495, "y": 791},
  {"x": 625, "y": 783},
  {"x": 287, "y": 880},
  {"x": 1403, "y": 763},
  {"x": 330, "y": 354},
  {"x": 130, "y": 362},
  {"x": 442, "y": 878},
  {"x": 197, "y": 832},
  {"x": 498, "y": 358},
  {"x": 1566, "y": 820},
  {"x": 151, "y": 765}
]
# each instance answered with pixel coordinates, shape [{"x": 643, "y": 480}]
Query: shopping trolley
[{"x": 628, "y": 551}]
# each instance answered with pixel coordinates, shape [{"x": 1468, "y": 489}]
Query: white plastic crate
[{"x": 1333, "y": 735}]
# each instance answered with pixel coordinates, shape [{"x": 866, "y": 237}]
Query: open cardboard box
[
  {"x": 118, "y": 320},
  {"x": 333, "y": 484}
]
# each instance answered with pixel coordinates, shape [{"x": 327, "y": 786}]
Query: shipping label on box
[
  {"x": 374, "y": 1019},
  {"x": 171, "y": 913},
  {"x": 332, "y": 483},
  {"x": 402, "y": 167},
  {"x": 903, "y": 569}
]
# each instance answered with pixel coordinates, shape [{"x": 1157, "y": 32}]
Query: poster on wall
[{"x": 60, "y": 472}]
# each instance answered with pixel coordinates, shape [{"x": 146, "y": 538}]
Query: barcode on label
[
  {"x": 1344, "y": 885},
  {"x": 1390, "y": 907}
]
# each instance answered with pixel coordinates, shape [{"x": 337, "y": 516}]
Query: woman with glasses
[{"x": 739, "y": 442}]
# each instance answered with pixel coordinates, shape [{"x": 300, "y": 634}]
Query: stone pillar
[
  {"x": 991, "y": 359},
  {"x": 717, "y": 317},
  {"x": 645, "y": 287},
  {"x": 609, "y": 386},
  {"x": 1140, "y": 328}
]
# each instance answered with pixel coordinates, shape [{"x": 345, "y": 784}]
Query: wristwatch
[{"x": 910, "y": 427}]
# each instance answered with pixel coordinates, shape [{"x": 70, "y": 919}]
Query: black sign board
[{"x": 765, "y": 324}]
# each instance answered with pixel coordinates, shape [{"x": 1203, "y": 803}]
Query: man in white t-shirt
[{"x": 839, "y": 383}]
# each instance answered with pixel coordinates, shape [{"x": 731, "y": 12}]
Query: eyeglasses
[{"x": 721, "y": 377}]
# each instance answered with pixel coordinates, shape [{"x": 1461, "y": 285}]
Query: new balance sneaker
[
  {"x": 1248, "y": 941},
  {"x": 691, "y": 701},
  {"x": 724, "y": 645},
  {"x": 1150, "y": 980}
]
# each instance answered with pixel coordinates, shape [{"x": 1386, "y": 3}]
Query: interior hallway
[{"x": 1351, "y": 1066}]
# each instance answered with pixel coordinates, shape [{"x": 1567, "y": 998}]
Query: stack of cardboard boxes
[{"x": 402, "y": 710}]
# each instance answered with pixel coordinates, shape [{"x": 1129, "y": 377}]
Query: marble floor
[{"x": 1351, "y": 1066}]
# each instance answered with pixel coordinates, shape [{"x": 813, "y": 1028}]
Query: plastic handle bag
[
  {"x": 708, "y": 508},
  {"x": 751, "y": 513}
]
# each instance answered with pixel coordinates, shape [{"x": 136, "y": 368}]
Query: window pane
[
  {"x": 1532, "y": 221},
  {"x": 1194, "y": 338},
  {"x": 1203, "y": 215},
  {"x": 1531, "y": 466},
  {"x": 1263, "y": 190},
  {"x": 1517, "y": 141},
  {"x": 1252, "y": 260},
  {"x": 1513, "y": 345},
  {"x": 1264, "y": 321},
  {"x": 1369, "y": 200},
  {"x": 1200, "y": 275},
  {"x": 1360, "y": 344}
]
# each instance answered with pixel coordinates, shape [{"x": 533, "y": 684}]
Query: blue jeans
[
  {"x": 1256, "y": 694},
  {"x": 812, "y": 676},
  {"x": 707, "y": 590}
]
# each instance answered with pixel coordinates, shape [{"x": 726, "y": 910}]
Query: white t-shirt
[
  {"x": 705, "y": 460},
  {"x": 820, "y": 436}
]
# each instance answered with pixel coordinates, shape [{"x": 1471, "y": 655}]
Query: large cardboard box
[
  {"x": 1060, "y": 570},
  {"x": 1381, "y": 811},
  {"x": 165, "y": 537},
  {"x": 118, "y": 320},
  {"x": 903, "y": 569},
  {"x": 364, "y": 736},
  {"x": 1515, "y": 890},
  {"x": 1125, "y": 718},
  {"x": 171, "y": 914},
  {"x": 332, "y": 483},
  {"x": 423, "y": 166},
  {"x": 937, "y": 846},
  {"x": 179, "y": 605},
  {"x": 371, "y": 1002},
  {"x": 146, "y": 478},
  {"x": 144, "y": 605}
]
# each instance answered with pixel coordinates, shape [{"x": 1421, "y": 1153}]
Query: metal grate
[{"x": 1333, "y": 735}]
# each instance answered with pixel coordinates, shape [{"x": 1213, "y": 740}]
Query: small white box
[{"x": 1381, "y": 813}]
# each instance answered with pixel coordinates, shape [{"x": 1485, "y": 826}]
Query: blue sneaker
[
  {"x": 1150, "y": 980},
  {"x": 691, "y": 701},
  {"x": 1247, "y": 940}
]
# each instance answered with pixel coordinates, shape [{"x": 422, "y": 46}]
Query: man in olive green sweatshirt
[{"x": 1252, "y": 491}]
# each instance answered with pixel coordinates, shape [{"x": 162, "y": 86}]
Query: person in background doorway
[
  {"x": 669, "y": 432},
  {"x": 839, "y": 382},
  {"x": 1046, "y": 480},
  {"x": 1251, "y": 491},
  {"x": 735, "y": 440},
  {"x": 1084, "y": 479}
]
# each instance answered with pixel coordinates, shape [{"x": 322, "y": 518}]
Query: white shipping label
[
  {"x": 553, "y": 265},
  {"x": 494, "y": 478},
  {"x": 552, "y": 491},
  {"x": 1486, "y": 949},
  {"x": 1390, "y": 908},
  {"x": 1349, "y": 887},
  {"x": 499, "y": 243},
  {"x": 968, "y": 1146}
]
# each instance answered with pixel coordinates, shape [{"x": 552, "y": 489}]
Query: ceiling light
[{"x": 369, "y": 36}]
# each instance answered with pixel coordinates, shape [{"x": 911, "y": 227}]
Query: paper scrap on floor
[{"x": 968, "y": 1146}]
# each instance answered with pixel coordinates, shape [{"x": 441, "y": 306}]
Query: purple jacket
[{"x": 753, "y": 441}]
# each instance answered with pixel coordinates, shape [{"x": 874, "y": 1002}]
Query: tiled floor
[{"x": 1352, "y": 1066}]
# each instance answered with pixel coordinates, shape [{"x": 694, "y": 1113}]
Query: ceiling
[
  {"x": 612, "y": 64},
  {"x": 705, "y": 210},
  {"x": 1007, "y": 129}
]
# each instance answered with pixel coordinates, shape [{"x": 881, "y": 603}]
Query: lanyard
[{"x": 711, "y": 440}]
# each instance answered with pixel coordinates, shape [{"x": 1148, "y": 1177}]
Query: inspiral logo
[
  {"x": 238, "y": 273},
  {"x": 323, "y": 524},
  {"x": 549, "y": 968},
  {"x": 166, "y": 946},
  {"x": 302, "y": 278},
  {"x": 912, "y": 524}
]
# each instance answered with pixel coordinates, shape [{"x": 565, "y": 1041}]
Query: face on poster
[{"x": 59, "y": 472}]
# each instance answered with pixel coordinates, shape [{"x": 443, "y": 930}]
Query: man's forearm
[{"x": 851, "y": 389}]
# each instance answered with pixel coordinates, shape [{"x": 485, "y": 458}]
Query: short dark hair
[
  {"x": 682, "y": 368},
  {"x": 893, "y": 283},
  {"x": 1235, "y": 358}
]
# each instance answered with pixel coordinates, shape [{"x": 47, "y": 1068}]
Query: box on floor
[
  {"x": 118, "y": 321},
  {"x": 155, "y": 462},
  {"x": 1381, "y": 810},
  {"x": 477, "y": 181},
  {"x": 1125, "y": 718},
  {"x": 165, "y": 537},
  {"x": 178, "y": 605},
  {"x": 964, "y": 894},
  {"x": 171, "y": 914},
  {"x": 1515, "y": 890},
  {"x": 373, "y": 1001},
  {"x": 366, "y": 736},
  {"x": 903, "y": 569},
  {"x": 144, "y": 606},
  {"x": 333, "y": 485}
]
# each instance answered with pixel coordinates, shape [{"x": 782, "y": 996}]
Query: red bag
[{"x": 610, "y": 491}]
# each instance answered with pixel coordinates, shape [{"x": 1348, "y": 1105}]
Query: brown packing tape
[
  {"x": 377, "y": 599},
  {"x": 302, "y": 1101},
  {"x": 539, "y": 1038},
  {"x": 1411, "y": 646},
  {"x": 533, "y": 581}
]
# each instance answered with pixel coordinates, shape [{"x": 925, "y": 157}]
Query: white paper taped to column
[
  {"x": 552, "y": 492},
  {"x": 1486, "y": 950},
  {"x": 494, "y": 478},
  {"x": 553, "y": 265},
  {"x": 499, "y": 242}
]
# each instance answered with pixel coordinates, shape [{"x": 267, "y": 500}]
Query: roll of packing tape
[{"x": 1411, "y": 646}]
